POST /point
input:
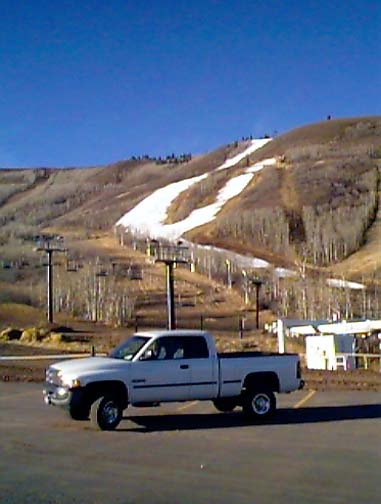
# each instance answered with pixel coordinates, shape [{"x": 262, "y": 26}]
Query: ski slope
[{"x": 148, "y": 217}]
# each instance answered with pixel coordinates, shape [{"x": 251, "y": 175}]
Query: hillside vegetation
[
  {"x": 325, "y": 175},
  {"x": 315, "y": 211}
]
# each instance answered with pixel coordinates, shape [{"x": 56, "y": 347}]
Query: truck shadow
[{"x": 283, "y": 416}]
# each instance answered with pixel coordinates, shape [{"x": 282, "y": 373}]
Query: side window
[
  {"x": 156, "y": 351},
  {"x": 174, "y": 347},
  {"x": 179, "y": 353},
  {"x": 195, "y": 348},
  {"x": 165, "y": 348}
]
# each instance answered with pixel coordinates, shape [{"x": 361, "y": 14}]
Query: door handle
[{"x": 184, "y": 366}]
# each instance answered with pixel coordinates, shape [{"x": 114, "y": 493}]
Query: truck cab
[{"x": 175, "y": 368}]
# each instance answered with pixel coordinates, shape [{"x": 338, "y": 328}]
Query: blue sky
[{"x": 86, "y": 82}]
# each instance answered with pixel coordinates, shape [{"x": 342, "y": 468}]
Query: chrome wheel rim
[
  {"x": 261, "y": 404},
  {"x": 110, "y": 412}
]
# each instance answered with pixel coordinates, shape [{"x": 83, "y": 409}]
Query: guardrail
[
  {"x": 366, "y": 358},
  {"x": 351, "y": 361},
  {"x": 49, "y": 357}
]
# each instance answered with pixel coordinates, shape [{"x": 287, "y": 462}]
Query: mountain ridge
[{"x": 312, "y": 148}]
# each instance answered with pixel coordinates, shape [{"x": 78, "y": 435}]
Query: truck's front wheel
[
  {"x": 78, "y": 412},
  {"x": 259, "y": 404},
  {"x": 106, "y": 413}
]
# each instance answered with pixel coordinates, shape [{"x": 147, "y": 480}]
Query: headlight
[
  {"x": 68, "y": 382},
  {"x": 62, "y": 392}
]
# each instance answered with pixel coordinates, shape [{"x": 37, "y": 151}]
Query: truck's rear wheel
[
  {"x": 106, "y": 412},
  {"x": 259, "y": 404},
  {"x": 225, "y": 405}
]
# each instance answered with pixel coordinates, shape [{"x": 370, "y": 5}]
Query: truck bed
[{"x": 233, "y": 355}]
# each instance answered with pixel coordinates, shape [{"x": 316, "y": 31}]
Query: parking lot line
[
  {"x": 305, "y": 399},
  {"x": 186, "y": 406},
  {"x": 300, "y": 403}
]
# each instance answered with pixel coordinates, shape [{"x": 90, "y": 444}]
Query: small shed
[{"x": 330, "y": 351}]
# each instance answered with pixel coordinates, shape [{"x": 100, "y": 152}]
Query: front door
[{"x": 161, "y": 375}]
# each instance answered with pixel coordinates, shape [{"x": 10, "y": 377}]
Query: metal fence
[{"x": 238, "y": 324}]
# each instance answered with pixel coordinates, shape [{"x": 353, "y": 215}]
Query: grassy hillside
[
  {"x": 326, "y": 175},
  {"x": 315, "y": 211}
]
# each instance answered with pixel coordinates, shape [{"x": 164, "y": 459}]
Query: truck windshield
[{"x": 128, "y": 348}]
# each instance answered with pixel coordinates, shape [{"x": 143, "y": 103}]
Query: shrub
[
  {"x": 33, "y": 334},
  {"x": 10, "y": 334},
  {"x": 54, "y": 337}
]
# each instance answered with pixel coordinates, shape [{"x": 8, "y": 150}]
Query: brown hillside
[
  {"x": 326, "y": 176},
  {"x": 318, "y": 206}
]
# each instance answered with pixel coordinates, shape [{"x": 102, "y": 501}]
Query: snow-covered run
[
  {"x": 260, "y": 165},
  {"x": 335, "y": 282},
  {"x": 205, "y": 214},
  {"x": 149, "y": 215},
  {"x": 244, "y": 262},
  {"x": 254, "y": 145}
]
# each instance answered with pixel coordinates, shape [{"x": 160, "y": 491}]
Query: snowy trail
[{"x": 149, "y": 215}]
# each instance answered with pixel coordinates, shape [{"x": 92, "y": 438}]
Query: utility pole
[
  {"x": 49, "y": 251},
  {"x": 245, "y": 286},
  {"x": 257, "y": 282},
  {"x": 98, "y": 299},
  {"x": 171, "y": 317},
  {"x": 229, "y": 273}
]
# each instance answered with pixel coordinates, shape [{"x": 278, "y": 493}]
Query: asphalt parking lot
[{"x": 322, "y": 447}]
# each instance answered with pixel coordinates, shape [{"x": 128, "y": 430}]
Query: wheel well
[
  {"x": 114, "y": 387},
  {"x": 267, "y": 380}
]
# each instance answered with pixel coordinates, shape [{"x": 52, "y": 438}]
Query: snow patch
[
  {"x": 254, "y": 145},
  {"x": 334, "y": 282},
  {"x": 148, "y": 215},
  {"x": 260, "y": 165}
]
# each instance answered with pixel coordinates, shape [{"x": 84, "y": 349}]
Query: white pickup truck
[{"x": 164, "y": 366}]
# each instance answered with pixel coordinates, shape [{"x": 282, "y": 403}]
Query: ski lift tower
[
  {"x": 49, "y": 248},
  {"x": 170, "y": 255}
]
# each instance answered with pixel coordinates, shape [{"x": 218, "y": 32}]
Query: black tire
[
  {"x": 259, "y": 404},
  {"x": 106, "y": 413},
  {"x": 79, "y": 412},
  {"x": 225, "y": 405}
]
